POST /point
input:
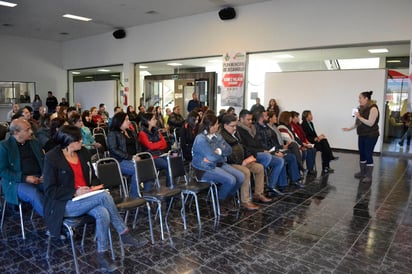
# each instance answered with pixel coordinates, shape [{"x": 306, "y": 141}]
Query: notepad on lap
[{"x": 88, "y": 194}]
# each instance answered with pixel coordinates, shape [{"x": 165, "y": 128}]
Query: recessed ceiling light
[
  {"x": 75, "y": 17},
  {"x": 359, "y": 63},
  {"x": 89, "y": 77},
  {"x": 143, "y": 67},
  {"x": 103, "y": 70},
  {"x": 114, "y": 75},
  {"x": 7, "y": 4},
  {"x": 75, "y": 72},
  {"x": 393, "y": 61},
  {"x": 378, "y": 50},
  {"x": 174, "y": 64}
]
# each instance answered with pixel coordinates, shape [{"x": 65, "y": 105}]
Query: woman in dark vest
[{"x": 366, "y": 124}]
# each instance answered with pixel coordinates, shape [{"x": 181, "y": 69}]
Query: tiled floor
[{"x": 334, "y": 225}]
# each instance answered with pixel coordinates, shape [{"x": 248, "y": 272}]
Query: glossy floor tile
[{"x": 333, "y": 225}]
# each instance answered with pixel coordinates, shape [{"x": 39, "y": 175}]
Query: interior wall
[
  {"x": 271, "y": 25},
  {"x": 33, "y": 60},
  {"x": 330, "y": 96},
  {"x": 91, "y": 94}
]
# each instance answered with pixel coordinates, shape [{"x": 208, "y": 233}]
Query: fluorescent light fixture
[
  {"x": 143, "y": 67},
  {"x": 393, "y": 61},
  {"x": 7, "y": 4},
  {"x": 144, "y": 73},
  {"x": 378, "y": 50},
  {"x": 284, "y": 56},
  {"x": 75, "y": 72},
  {"x": 75, "y": 17},
  {"x": 174, "y": 64},
  {"x": 89, "y": 77},
  {"x": 114, "y": 75},
  {"x": 103, "y": 70},
  {"x": 359, "y": 63}
]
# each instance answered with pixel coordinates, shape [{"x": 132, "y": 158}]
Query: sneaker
[
  {"x": 136, "y": 241},
  {"x": 105, "y": 263}
]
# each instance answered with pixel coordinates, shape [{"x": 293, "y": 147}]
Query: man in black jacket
[
  {"x": 247, "y": 133},
  {"x": 244, "y": 161},
  {"x": 268, "y": 139}
]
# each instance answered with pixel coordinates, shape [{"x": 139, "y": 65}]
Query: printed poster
[{"x": 234, "y": 65}]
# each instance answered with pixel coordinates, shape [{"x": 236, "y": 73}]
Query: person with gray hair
[{"x": 21, "y": 166}]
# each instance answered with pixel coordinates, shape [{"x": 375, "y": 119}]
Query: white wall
[
  {"x": 330, "y": 96},
  {"x": 272, "y": 25},
  {"x": 33, "y": 60},
  {"x": 92, "y": 94}
]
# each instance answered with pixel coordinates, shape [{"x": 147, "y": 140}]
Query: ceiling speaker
[
  {"x": 119, "y": 34},
  {"x": 227, "y": 13}
]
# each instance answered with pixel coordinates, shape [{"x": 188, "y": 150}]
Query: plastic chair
[
  {"x": 177, "y": 172},
  {"x": 71, "y": 223},
  {"x": 109, "y": 173},
  {"x": 146, "y": 172}
]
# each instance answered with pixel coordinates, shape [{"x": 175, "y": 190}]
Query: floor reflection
[{"x": 335, "y": 224}]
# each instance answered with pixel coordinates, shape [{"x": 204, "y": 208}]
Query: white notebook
[{"x": 88, "y": 194}]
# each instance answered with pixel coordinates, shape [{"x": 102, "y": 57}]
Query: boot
[
  {"x": 368, "y": 175},
  {"x": 105, "y": 263},
  {"x": 362, "y": 172},
  {"x": 135, "y": 241}
]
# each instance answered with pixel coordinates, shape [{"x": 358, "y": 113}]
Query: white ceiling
[{"x": 42, "y": 19}]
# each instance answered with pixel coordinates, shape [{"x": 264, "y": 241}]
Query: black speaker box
[
  {"x": 119, "y": 34},
  {"x": 227, "y": 13}
]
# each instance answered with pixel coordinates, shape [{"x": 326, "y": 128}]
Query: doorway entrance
[{"x": 170, "y": 90}]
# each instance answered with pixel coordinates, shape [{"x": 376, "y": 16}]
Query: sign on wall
[{"x": 234, "y": 64}]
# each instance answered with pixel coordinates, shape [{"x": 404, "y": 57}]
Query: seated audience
[
  {"x": 152, "y": 141},
  {"x": 320, "y": 141},
  {"x": 276, "y": 164},
  {"x": 308, "y": 149},
  {"x": 209, "y": 153},
  {"x": 21, "y": 166},
  {"x": 88, "y": 140},
  {"x": 123, "y": 146},
  {"x": 66, "y": 175},
  {"x": 243, "y": 160},
  {"x": 187, "y": 134},
  {"x": 267, "y": 138}
]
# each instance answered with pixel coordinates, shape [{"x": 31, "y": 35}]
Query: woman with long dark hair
[
  {"x": 187, "y": 134},
  {"x": 209, "y": 153},
  {"x": 153, "y": 142},
  {"x": 123, "y": 146},
  {"x": 67, "y": 174},
  {"x": 366, "y": 124}
]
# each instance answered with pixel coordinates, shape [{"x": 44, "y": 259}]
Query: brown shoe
[
  {"x": 250, "y": 206},
  {"x": 261, "y": 198}
]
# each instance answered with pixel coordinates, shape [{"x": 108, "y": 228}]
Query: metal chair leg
[
  {"x": 197, "y": 210},
  {"x": 149, "y": 217},
  {"x": 23, "y": 235},
  {"x": 76, "y": 265},
  {"x": 183, "y": 210}
]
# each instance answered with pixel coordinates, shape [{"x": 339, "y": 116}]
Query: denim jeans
[
  {"x": 293, "y": 168},
  {"x": 309, "y": 155},
  {"x": 32, "y": 194},
  {"x": 127, "y": 168},
  {"x": 103, "y": 209},
  {"x": 277, "y": 166},
  {"x": 161, "y": 164},
  {"x": 230, "y": 179},
  {"x": 366, "y": 146}
]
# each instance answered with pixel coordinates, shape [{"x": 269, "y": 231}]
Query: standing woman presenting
[{"x": 366, "y": 125}]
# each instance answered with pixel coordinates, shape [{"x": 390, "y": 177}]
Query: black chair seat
[
  {"x": 130, "y": 203},
  {"x": 194, "y": 187},
  {"x": 162, "y": 193}
]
